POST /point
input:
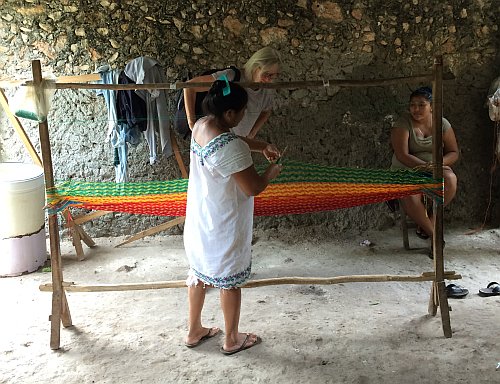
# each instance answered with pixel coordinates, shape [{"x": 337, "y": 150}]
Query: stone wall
[{"x": 318, "y": 40}]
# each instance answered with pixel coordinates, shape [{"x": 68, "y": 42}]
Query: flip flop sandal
[
  {"x": 493, "y": 289},
  {"x": 420, "y": 233},
  {"x": 456, "y": 291},
  {"x": 242, "y": 347},
  {"x": 214, "y": 331}
]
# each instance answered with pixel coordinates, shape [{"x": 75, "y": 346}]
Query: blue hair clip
[{"x": 227, "y": 89}]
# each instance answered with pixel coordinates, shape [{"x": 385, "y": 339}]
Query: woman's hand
[
  {"x": 271, "y": 153},
  {"x": 427, "y": 167},
  {"x": 273, "y": 171}
]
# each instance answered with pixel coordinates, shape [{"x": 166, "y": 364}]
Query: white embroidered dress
[{"x": 219, "y": 215}]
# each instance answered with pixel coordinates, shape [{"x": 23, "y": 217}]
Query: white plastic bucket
[{"x": 22, "y": 228}]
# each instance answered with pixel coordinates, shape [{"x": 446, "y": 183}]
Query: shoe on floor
[
  {"x": 421, "y": 233},
  {"x": 456, "y": 291},
  {"x": 243, "y": 346},
  {"x": 493, "y": 289},
  {"x": 214, "y": 331}
]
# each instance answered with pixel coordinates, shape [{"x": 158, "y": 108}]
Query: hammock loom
[
  {"x": 300, "y": 188},
  {"x": 64, "y": 195}
]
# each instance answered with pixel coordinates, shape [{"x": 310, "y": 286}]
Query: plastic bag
[
  {"x": 32, "y": 102},
  {"x": 494, "y": 106}
]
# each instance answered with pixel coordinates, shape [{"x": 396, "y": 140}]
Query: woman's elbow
[{"x": 256, "y": 190}]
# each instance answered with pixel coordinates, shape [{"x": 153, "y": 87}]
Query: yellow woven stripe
[
  {"x": 325, "y": 189},
  {"x": 174, "y": 197}
]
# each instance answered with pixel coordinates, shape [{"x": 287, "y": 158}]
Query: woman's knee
[{"x": 450, "y": 185}]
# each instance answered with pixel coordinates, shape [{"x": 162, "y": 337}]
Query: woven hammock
[{"x": 300, "y": 188}]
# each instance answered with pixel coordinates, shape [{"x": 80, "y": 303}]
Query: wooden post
[
  {"x": 60, "y": 309},
  {"x": 437, "y": 158}
]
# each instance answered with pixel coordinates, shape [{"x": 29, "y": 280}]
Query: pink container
[{"x": 22, "y": 228}]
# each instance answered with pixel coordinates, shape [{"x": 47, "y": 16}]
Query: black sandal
[{"x": 420, "y": 233}]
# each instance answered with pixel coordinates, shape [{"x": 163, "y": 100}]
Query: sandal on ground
[
  {"x": 493, "y": 289},
  {"x": 214, "y": 331},
  {"x": 456, "y": 291},
  {"x": 245, "y": 345},
  {"x": 421, "y": 233}
]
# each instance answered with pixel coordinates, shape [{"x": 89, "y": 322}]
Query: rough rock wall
[{"x": 317, "y": 39}]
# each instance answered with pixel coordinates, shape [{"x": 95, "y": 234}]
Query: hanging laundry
[
  {"x": 119, "y": 134},
  {"x": 131, "y": 108},
  {"x": 146, "y": 70}
]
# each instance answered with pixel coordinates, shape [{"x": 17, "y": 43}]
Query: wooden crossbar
[{"x": 425, "y": 276}]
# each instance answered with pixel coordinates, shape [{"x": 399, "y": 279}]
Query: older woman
[
  {"x": 411, "y": 139},
  {"x": 262, "y": 67}
]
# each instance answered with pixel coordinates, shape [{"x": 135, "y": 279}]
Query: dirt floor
[{"x": 345, "y": 333}]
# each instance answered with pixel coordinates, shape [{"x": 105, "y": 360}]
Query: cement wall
[{"x": 318, "y": 40}]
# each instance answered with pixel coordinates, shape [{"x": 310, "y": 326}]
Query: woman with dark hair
[
  {"x": 411, "y": 139},
  {"x": 219, "y": 213}
]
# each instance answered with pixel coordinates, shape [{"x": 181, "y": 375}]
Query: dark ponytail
[{"x": 215, "y": 103}]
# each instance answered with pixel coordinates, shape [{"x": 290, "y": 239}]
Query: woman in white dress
[{"x": 219, "y": 213}]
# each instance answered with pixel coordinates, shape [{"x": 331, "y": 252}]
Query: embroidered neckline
[{"x": 212, "y": 146}]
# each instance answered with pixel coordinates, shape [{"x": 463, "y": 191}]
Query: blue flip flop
[
  {"x": 456, "y": 291},
  {"x": 493, "y": 289}
]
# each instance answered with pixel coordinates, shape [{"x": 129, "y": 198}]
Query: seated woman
[{"x": 411, "y": 139}]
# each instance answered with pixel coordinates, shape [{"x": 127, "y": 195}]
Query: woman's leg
[
  {"x": 231, "y": 307},
  {"x": 415, "y": 208},
  {"x": 450, "y": 185},
  {"x": 196, "y": 297}
]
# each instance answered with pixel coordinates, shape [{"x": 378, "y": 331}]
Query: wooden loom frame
[{"x": 60, "y": 310}]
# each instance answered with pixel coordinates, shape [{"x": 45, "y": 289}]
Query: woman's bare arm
[
  {"x": 261, "y": 120},
  {"x": 190, "y": 97},
  {"x": 252, "y": 183},
  {"x": 399, "y": 141}
]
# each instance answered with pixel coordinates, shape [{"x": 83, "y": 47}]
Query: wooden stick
[
  {"x": 426, "y": 276},
  {"x": 89, "y": 216},
  {"x": 55, "y": 251},
  {"x": 437, "y": 158},
  {"x": 85, "y": 237},
  {"x": 9, "y": 83},
  {"x": 19, "y": 129},
  {"x": 275, "y": 85},
  {"x": 74, "y": 82},
  {"x": 152, "y": 231},
  {"x": 177, "y": 153}
]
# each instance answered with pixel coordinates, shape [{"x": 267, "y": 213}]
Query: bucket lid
[{"x": 19, "y": 172}]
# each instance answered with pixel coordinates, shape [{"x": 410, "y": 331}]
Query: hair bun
[{"x": 217, "y": 87}]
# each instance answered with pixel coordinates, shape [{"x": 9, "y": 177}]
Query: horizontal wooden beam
[
  {"x": 274, "y": 85},
  {"x": 81, "y": 82},
  {"x": 425, "y": 276}
]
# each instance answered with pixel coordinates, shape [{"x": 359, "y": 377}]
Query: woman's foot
[
  {"x": 421, "y": 233},
  {"x": 199, "y": 337},
  {"x": 245, "y": 341}
]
